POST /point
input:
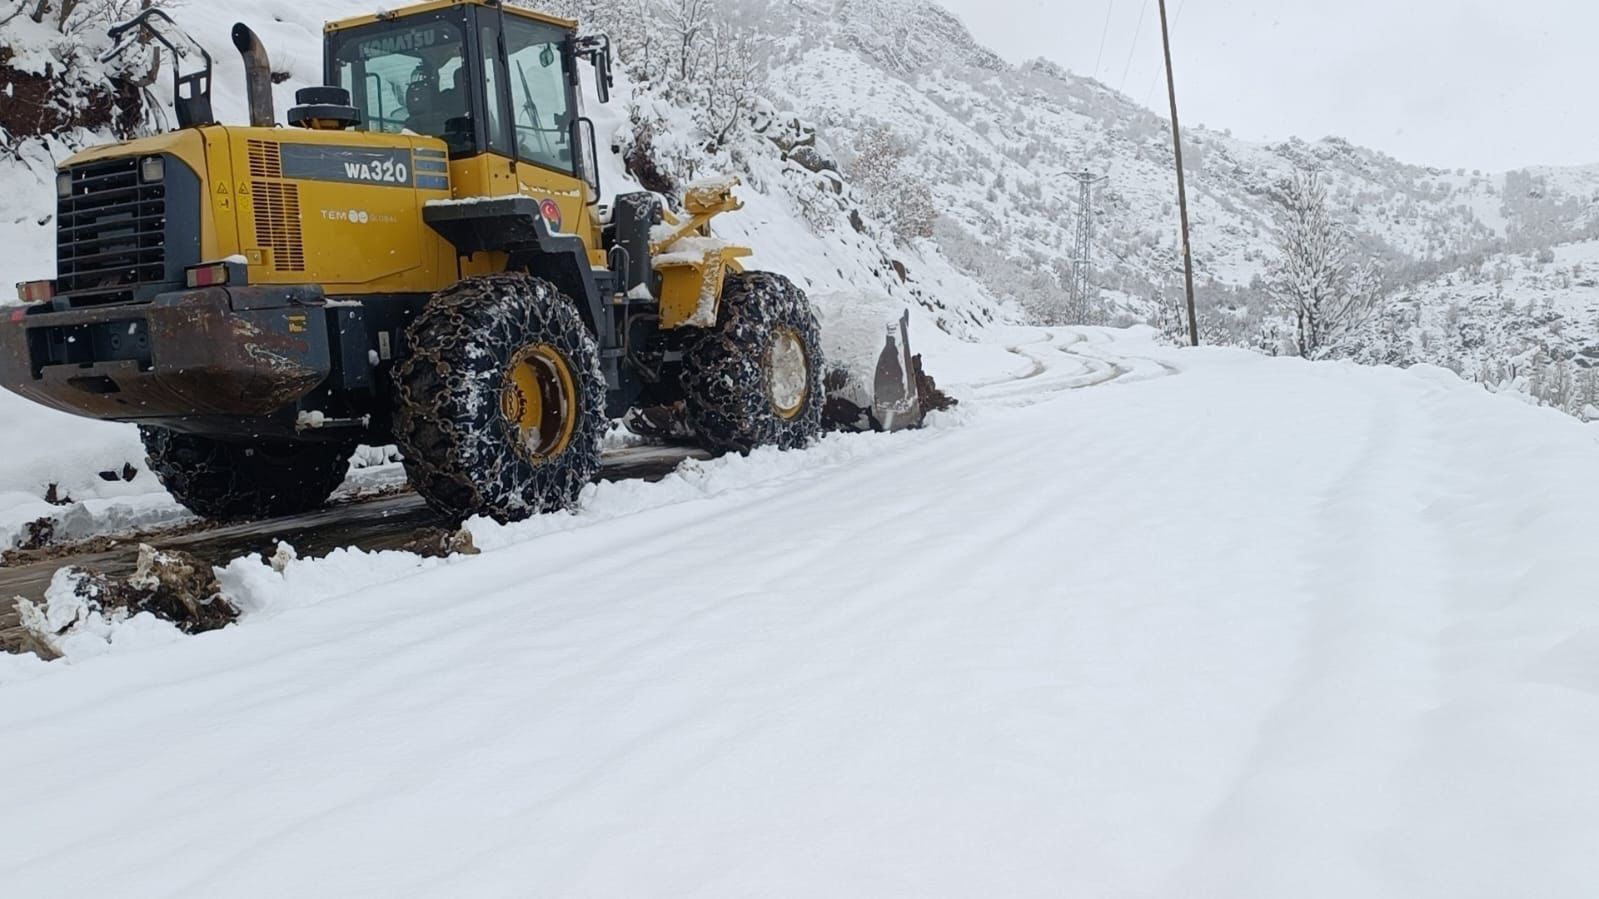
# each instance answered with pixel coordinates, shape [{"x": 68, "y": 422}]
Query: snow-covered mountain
[
  {"x": 989, "y": 142},
  {"x": 992, "y": 139}
]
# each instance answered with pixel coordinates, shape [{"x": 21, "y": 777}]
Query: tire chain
[
  {"x": 220, "y": 479},
  {"x": 724, "y": 377},
  {"x": 460, "y": 453}
]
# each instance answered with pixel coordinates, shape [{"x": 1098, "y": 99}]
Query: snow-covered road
[{"x": 1259, "y": 628}]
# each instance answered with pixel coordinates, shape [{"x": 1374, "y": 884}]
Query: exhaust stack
[{"x": 257, "y": 76}]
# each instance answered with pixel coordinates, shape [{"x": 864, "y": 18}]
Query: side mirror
[
  {"x": 589, "y": 158},
  {"x": 596, "y": 48}
]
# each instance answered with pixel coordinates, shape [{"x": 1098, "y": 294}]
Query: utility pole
[
  {"x": 1083, "y": 265},
  {"x": 1182, "y": 185}
]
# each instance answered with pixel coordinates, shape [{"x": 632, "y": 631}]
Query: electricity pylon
[{"x": 1083, "y": 291}]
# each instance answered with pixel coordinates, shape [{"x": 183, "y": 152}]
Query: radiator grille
[
  {"x": 110, "y": 233},
  {"x": 277, "y": 224},
  {"x": 266, "y": 159}
]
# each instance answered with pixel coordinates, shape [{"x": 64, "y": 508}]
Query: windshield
[
  {"x": 541, "y": 106},
  {"x": 408, "y": 75}
]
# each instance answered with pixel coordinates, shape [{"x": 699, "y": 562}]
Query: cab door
[{"x": 540, "y": 86}]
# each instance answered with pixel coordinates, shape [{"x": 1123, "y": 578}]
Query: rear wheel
[
  {"x": 756, "y": 379},
  {"x": 501, "y": 402},
  {"x": 223, "y": 479}
]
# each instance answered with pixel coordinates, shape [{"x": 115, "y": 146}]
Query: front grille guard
[{"x": 110, "y": 234}]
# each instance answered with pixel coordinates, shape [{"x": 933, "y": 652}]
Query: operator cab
[{"x": 483, "y": 78}]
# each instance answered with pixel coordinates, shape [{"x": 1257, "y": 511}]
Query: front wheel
[
  {"x": 501, "y": 402},
  {"x": 756, "y": 378},
  {"x": 222, "y": 479}
]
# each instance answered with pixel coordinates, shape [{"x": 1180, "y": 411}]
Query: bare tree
[
  {"x": 71, "y": 16},
  {"x": 689, "y": 20},
  {"x": 11, "y": 9},
  {"x": 732, "y": 79},
  {"x": 1314, "y": 278}
]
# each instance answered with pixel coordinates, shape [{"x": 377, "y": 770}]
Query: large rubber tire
[
  {"x": 728, "y": 376},
  {"x": 221, "y": 479},
  {"x": 462, "y": 453}
]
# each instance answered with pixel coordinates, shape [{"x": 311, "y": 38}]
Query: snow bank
[
  {"x": 81, "y": 629},
  {"x": 40, "y": 447}
]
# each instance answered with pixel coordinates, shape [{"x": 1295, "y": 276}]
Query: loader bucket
[
  {"x": 896, "y": 402},
  {"x": 895, "y": 395},
  {"x": 873, "y": 381}
]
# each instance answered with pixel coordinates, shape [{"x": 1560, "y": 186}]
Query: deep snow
[{"x": 1215, "y": 625}]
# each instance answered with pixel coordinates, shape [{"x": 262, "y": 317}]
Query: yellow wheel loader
[{"x": 421, "y": 258}]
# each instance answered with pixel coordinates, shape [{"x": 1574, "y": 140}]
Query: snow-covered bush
[
  {"x": 895, "y": 192},
  {"x": 56, "y": 88},
  {"x": 697, "y": 78}
]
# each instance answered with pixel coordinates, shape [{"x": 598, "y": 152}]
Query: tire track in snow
[
  {"x": 1371, "y": 628},
  {"x": 1062, "y": 361},
  {"x": 1509, "y": 741}
]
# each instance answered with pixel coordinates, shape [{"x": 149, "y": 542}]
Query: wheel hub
[
  {"x": 787, "y": 373},
  {"x": 539, "y": 400}
]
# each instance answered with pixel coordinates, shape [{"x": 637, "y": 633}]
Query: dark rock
[
  {"x": 811, "y": 159},
  {"x": 38, "y": 534},
  {"x": 438, "y": 543}
]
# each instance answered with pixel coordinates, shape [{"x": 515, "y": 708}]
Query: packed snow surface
[{"x": 1137, "y": 622}]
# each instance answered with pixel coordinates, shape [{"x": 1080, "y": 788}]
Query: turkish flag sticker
[{"x": 552, "y": 214}]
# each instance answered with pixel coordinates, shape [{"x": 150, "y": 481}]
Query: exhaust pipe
[{"x": 257, "y": 76}]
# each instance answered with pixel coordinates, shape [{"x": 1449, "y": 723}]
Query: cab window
[
  {"x": 541, "y": 94},
  {"x": 494, "y": 98},
  {"x": 409, "y": 76}
]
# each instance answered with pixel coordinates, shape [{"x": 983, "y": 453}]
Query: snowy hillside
[
  {"x": 992, "y": 141},
  {"x": 987, "y": 143},
  {"x": 1218, "y": 626},
  {"x": 1519, "y": 322}
]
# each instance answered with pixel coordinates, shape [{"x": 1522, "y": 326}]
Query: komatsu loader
[{"x": 420, "y": 257}]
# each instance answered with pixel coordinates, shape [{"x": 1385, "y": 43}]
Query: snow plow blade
[
  {"x": 897, "y": 395},
  {"x": 896, "y": 402},
  {"x": 872, "y": 381}
]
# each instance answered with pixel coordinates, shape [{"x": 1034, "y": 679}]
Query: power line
[
  {"x": 1142, "y": 9},
  {"x": 1110, "y": 7}
]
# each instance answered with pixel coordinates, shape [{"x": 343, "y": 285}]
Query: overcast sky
[{"x": 1492, "y": 85}]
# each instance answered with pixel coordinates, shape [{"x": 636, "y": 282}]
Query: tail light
[
  {"x": 210, "y": 275},
  {"x": 36, "y": 291}
]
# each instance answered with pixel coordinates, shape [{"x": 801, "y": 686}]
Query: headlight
[
  {"x": 64, "y": 185},
  {"x": 152, "y": 169}
]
